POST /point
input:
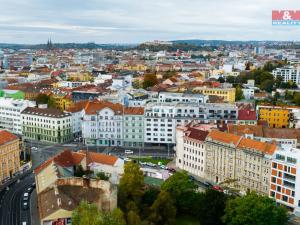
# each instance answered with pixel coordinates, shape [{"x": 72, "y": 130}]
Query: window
[
  {"x": 278, "y": 188},
  {"x": 284, "y": 198}
]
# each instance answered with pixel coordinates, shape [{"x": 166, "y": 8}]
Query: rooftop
[
  {"x": 48, "y": 112},
  {"x": 6, "y": 137}
]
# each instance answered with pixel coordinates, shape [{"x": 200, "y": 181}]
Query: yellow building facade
[
  {"x": 228, "y": 94},
  {"x": 277, "y": 117},
  {"x": 9, "y": 154}
]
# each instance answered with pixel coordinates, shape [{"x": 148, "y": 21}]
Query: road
[{"x": 11, "y": 212}]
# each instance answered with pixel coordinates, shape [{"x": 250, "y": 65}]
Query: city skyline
[{"x": 134, "y": 21}]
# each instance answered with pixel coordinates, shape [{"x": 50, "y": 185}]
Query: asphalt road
[{"x": 11, "y": 212}]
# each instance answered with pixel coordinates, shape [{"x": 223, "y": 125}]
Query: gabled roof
[
  {"x": 99, "y": 158},
  {"x": 6, "y": 137},
  {"x": 78, "y": 106},
  {"x": 224, "y": 137},
  {"x": 257, "y": 145},
  {"x": 196, "y": 134},
  {"x": 94, "y": 106}
]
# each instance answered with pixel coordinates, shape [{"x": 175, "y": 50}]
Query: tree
[
  {"x": 254, "y": 209},
  {"x": 86, "y": 214},
  {"x": 114, "y": 218},
  {"x": 211, "y": 209},
  {"x": 42, "y": 99},
  {"x": 230, "y": 79},
  {"x": 221, "y": 80},
  {"x": 177, "y": 185},
  {"x": 102, "y": 176},
  {"x": 163, "y": 211},
  {"x": 239, "y": 93},
  {"x": 131, "y": 184},
  {"x": 267, "y": 85},
  {"x": 133, "y": 218},
  {"x": 296, "y": 98},
  {"x": 149, "y": 80}
]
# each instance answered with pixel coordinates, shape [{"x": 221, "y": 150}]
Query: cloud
[{"x": 132, "y": 21}]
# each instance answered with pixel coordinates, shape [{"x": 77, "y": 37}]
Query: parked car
[
  {"x": 30, "y": 189},
  {"x": 24, "y": 223},
  {"x": 26, "y": 194},
  {"x": 217, "y": 188},
  {"x": 25, "y": 198},
  {"x": 172, "y": 170},
  {"x": 25, "y": 206},
  {"x": 128, "y": 152}
]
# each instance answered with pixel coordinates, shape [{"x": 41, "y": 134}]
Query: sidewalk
[{"x": 34, "y": 212}]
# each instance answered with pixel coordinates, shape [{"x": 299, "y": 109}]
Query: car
[
  {"x": 25, "y": 206},
  {"x": 191, "y": 178},
  {"x": 30, "y": 189},
  {"x": 217, "y": 188},
  {"x": 34, "y": 148},
  {"x": 26, "y": 194},
  {"x": 24, "y": 223},
  {"x": 33, "y": 185},
  {"x": 172, "y": 170},
  {"x": 25, "y": 198},
  {"x": 128, "y": 152},
  {"x": 206, "y": 183}
]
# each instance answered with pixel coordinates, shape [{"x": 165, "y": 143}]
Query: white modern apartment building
[
  {"x": 288, "y": 73},
  {"x": 103, "y": 124},
  {"x": 161, "y": 118},
  {"x": 10, "y": 113},
  {"x": 285, "y": 185},
  {"x": 160, "y": 123},
  {"x": 182, "y": 97},
  {"x": 190, "y": 150}
]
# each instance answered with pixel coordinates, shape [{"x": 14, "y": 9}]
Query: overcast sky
[{"x": 134, "y": 21}]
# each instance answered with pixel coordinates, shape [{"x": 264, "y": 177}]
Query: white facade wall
[
  {"x": 288, "y": 74},
  {"x": 10, "y": 113}
]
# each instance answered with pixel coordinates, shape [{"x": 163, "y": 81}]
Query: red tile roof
[
  {"x": 196, "y": 134},
  {"x": 94, "y": 106},
  {"x": 224, "y": 137},
  {"x": 245, "y": 114},
  {"x": 100, "y": 158},
  {"x": 257, "y": 145},
  {"x": 6, "y": 137},
  {"x": 134, "y": 110}
]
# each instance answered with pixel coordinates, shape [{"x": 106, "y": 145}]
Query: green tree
[
  {"x": 114, "y": 218},
  {"x": 267, "y": 85},
  {"x": 230, "y": 79},
  {"x": 131, "y": 185},
  {"x": 42, "y": 99},
  {"x": 178, "y": 185},
  {"x": 163, "y": 211},
  {"x": 254, "y": 209},
  {"x": 238, "y": 93},
  {"x": 86, "y": 214},
  {"x": 149, "y": 80},
  {"x": 296, "y": 98},
  {"x": 102, "y": 176},
  {"x": 221, "y": 80},
  {"x": 212, "y": 206},
  {"x": 133, "y": 218}
]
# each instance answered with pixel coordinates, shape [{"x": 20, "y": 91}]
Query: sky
[{"x": 136, "y": 21}]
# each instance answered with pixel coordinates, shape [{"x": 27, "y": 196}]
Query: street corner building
[
  {"x": 9, "y": 155},
  {"x": 60, "y": 191}
]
